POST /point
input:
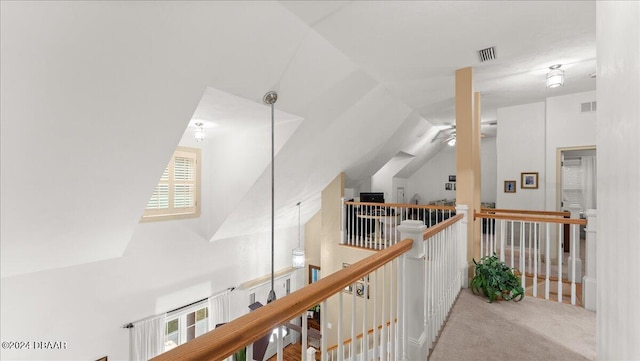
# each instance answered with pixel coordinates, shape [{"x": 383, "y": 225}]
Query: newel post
[
  {"x": 464, "y": 262},
  {"x": 417, "y": 347},
  {"x": 574, "y": 209},
  {"x": 589, "y": 281}
]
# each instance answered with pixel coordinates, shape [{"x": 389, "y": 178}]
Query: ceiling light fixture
[
  {"x": 555, "y": 76},
  {"x": 452, "y": 141},
  {"x": 298, "y": 253},
  {"x": 199, "y": 133},
  {"x": 270, "y": 98}
]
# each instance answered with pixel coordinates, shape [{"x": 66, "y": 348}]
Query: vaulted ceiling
[{"x": 96, "y": 95}]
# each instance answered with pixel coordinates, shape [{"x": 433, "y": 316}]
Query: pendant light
[
  {"x": 298, "y": 252},
  {"x": 270, "y": 98}
]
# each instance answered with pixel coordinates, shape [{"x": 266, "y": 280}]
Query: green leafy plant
[
  {"x": 241, "y": 355},
  {"x": 496, "y": 280}
]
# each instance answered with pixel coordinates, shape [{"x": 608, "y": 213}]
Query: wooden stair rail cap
[{"x": 227, "y": 339}]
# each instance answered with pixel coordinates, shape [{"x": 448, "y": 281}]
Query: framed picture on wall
[
  {"x": 452, "y": 178},
  {"x": 314, "y": 273},
  {"x": 509, "y": 186},
  {"x": 529, "y": 180}
]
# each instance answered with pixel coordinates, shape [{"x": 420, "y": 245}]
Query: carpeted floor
[{"x": 532, "y": 329}]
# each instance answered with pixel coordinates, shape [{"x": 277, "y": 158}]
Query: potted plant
[
  {"x": 496, "y": 280},
  {"x": 240, "y": 355}
]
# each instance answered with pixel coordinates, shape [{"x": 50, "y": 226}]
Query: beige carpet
[{"x": 532, "y": 329}]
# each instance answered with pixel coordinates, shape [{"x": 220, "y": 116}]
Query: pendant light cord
[
  {"x": 299, "y": 225},
  {"x": 272, "y": 199},
  {"x": 270, "y": 98}
]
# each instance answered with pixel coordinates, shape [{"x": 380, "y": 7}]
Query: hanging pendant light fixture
[
  {"x": 555, "y": 76},
  {"x": 270, "y": 98},
  {"x": 298, "y": 252}
]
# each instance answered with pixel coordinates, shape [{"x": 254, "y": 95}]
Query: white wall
[
  {"x": 520, "y": 147},
  {"x": 167, "y": 264},
  {"x": 396, "y": 183},
  {"x": 566, "y": 126},
  {"x": 429, "y": 180},
  {"x": 528, "y": 140},
  {"x": 383, "y": 180},
  {"x": 489, "y": 164},
  {"x": 618, "y": 131}
]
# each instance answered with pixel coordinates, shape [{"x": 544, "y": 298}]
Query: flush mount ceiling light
[
  {"x": 199, "y": 133},
  {"x": 555, "y": 76}
]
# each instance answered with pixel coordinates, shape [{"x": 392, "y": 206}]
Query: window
[
  {"x": 177, "y": 194},
  {"x": 185, "y": 325}
]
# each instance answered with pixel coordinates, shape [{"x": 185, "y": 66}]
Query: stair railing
[
  {"x": 533, "y": 242},
  {"x": 225, "y": 340}
]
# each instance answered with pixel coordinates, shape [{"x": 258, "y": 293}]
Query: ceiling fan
[{"x": 447, "y": 134}]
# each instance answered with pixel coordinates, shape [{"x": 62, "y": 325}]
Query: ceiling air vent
[
  {"x": 588, "y": 107},
  {"x": 487, "y": 54}
]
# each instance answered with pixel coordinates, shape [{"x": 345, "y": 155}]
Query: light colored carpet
[{"x": 532, "y": 329}]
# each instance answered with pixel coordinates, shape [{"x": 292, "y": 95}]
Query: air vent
[
  {"x": 487, "y": 54},
  {"x": 588, "y": 107}
]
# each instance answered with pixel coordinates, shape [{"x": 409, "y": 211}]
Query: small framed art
[
  {"x": 529, "y": 180},
  {"x": 509, "y": 186}
]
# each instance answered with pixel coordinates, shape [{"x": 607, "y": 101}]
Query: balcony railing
[
  {"x": 538, "y": 244},
  {"x": 374, "y": 225},
  {"x": 225, "y": 340}
]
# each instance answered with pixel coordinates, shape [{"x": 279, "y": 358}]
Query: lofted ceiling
[{"x": 359, "y": 82}]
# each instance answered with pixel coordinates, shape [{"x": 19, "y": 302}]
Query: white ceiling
[
  {"x": 414, "y": 47},
  {"x": 85, "y": 101}
]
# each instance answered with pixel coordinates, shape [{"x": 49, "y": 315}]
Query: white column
[
  {"x": 574, "y": 209},
  {"x": 589, "y": 286},
  {"x": 418, "y": 347}
]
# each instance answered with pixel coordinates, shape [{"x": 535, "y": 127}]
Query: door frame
[{"x": 559, "y": 152}]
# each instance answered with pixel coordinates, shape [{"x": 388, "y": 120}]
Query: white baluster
[
  {"x": 340, "y": 318},
  {"x": 375, "y": 315},
  {"x": 365, "y": 334},
  {"x": 279, "y": 343},
  {"x": 575, "y": 214},
  {"x": 353, "y": 319},
  {"x": 249, "y": 351},
  {"x": 547, "y": 251},
  {"x": 537, "y": 259},
  {"x": 383, "y": 333},
  {"x": 503, "y": 232},
  {"x": 323, "y": 330},
  {"x": 522, "y": 257},
  {"x": 402, "y": 307},
  {"x": 560, "y": 257},
  {"x": 589, "y": 281},
  {"x": 305, "y": 326},
  {"x": 392, "y": 313},
  {"x": 512, "y": 244},
  {"x": 572, "y": 255}
]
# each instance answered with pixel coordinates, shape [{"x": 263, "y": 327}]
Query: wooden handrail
[
  {"x": 432, "y": 231},
  {"x": 524, "y": 211},
  {"x": 227, "y": 339},
  {"x": 530, "y": 219}
]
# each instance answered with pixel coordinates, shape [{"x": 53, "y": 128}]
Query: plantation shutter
[{"x": 177, "y": 192}]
